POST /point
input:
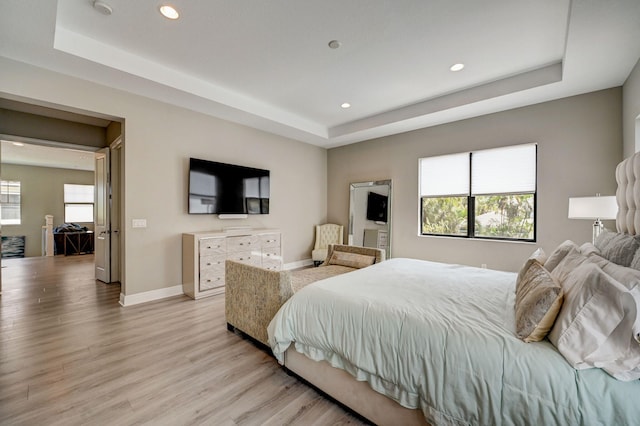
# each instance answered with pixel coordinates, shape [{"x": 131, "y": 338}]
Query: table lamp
[{"x": 595, "y": 208}]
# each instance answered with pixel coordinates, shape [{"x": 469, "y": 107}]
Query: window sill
[{"x": 489, "y": 240}]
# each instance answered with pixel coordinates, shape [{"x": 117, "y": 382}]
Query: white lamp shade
[{"x": 593, "y": 207}]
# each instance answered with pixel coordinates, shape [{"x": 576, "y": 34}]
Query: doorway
[{"x": 65, "y": 135}]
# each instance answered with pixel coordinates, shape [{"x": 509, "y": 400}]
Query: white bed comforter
[{"x": 440, "y": 337}]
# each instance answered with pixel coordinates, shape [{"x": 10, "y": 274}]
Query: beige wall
[
  {"x": 579, "y": 144},
  {"x": 631, "y": 112},
  {"x": 42, "y": 193},
  {"x": 158, "y": 141}
]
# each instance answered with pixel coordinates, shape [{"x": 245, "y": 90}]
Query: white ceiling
[
  {"x": 46, "y": 156},
  {"x": 268, "y": 64}
]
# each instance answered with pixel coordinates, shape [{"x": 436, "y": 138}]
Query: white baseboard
[
  {"x": 176, "y": 290},
  {"x": 149, "y": 296},
  {"x": 297, "y": 264}
]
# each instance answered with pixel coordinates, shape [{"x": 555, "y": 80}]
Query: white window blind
[
  {"x": 504, "y": 170},
  {"x": 9, "y": 202},
  {"x": 78, "y": 213},
  {"x": 78, "y": 202},
  {"x": 444, "y": 175},
  {"x": 78, "y": 193}
]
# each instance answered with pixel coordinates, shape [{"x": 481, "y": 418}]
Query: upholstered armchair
[{"x": 326, "y": 234}]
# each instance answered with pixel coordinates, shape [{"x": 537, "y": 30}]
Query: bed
[{"x": 442, "y": 344}]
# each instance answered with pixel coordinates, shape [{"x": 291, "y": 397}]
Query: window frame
[{"x": 471, "y": 205}]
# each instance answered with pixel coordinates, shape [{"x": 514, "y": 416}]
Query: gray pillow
[
  {"x": 617, "y": 247},
  {"x": 604, "y": 239},
  {"x": 635, "y": 262}
]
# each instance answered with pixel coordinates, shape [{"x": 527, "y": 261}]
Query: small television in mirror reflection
[
  {"x": 377, "y": 207},
  {"x": 220, "y": 188}
]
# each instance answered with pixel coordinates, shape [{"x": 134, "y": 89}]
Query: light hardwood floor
[{"x": 70, "y": 354}]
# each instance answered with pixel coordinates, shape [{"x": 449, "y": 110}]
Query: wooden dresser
[{"x": 204, "y": 255}]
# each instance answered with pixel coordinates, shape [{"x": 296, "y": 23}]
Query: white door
[{"x": 101, "y": 217}]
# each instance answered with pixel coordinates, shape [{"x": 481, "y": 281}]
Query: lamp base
[{"x": 598, "y": 227}]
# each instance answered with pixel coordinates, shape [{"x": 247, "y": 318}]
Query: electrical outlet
[
  {"x": 139, "y": 223},
  {"x": 484, "y": 266}
]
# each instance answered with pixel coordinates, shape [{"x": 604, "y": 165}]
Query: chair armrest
[{"x": 253, "y": 296}]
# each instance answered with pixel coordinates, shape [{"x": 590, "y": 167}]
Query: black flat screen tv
[
  {"x": 220, "y": 188},
  {"x": 377, "y": 207}
]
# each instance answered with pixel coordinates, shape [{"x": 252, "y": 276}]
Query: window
[
  {"x": 9, "y": 202},
  {"x": 78, "y": 203},
  {"x": 480, "y": 194}
]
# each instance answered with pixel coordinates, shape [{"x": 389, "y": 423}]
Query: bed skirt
[{"x": 358, "y": 396}]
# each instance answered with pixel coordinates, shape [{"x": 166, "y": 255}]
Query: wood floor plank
[{"x": 70, "y": 354}]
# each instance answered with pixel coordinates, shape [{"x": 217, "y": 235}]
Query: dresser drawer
[
  {"x": 212, "y": 263},
  {"x": 209, "y": 246},
  {"x": 245, "y": 257},
  {"x": 243, "y": 243},
  {"x": 211, "y": 280},
  {"x": 270, "y": 240},
  {"x": 271, "y": 254},
  {"x": 271, "y": 264}
]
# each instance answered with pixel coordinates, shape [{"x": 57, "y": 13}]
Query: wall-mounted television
[
  {"x": 377, "y": 207},
  {"x": 220, "y": 188}
]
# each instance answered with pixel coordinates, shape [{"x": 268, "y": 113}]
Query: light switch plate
[{"x": 139, "y": 223}]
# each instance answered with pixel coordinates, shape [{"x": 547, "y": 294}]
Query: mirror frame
[{"x": 371, "y": 184}]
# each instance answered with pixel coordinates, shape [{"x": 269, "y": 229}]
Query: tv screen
[
  {"x": 377, "y": 207},
  {"x": 220, "y": 188}
]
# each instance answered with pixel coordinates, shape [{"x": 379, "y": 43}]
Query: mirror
[{"x": 370, "y": 215}]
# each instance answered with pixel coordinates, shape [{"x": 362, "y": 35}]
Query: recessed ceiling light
[
  {"x": 102, "y": 7},
  {"x": 456, "y": 67},
  {"x": 169, "y": 12},
  {"x": 18, "y": 143},
  {"x": 346, "y": 105},
  {"x": 334, "y": 44}
]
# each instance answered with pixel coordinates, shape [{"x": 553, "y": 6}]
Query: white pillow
[
  {"x": 620, "y": 354},
  {"x": 588, "y": 249},
  {"x": 558, "y": 254},
  {"x": 567, "y": 265},
  {"x": 628, "y": 277},
  {"x": 595, "y": 325}
]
